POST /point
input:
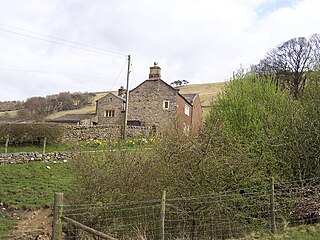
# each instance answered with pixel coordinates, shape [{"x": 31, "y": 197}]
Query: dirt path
[{"x": 33, "y": 225}]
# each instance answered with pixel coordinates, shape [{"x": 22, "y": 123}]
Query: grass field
[
  {"x": 32, "y": 185},
  {"x": 208, "y": 92},
  {"x": 85, "y": 110},
  {"x": 94, "y": 145},
  {"x": 55, "y": 147},
  {"x": 6, "y": 225},
  {"x": 303, "y": 232},
  {"x": 11, "y": 113}
]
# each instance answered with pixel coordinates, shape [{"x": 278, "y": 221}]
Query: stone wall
[
  {"x": 84, "y": 133},
  {"x": 23, "y": 157},
  {"x": 79, "y": 133},
  {"x": 147, "y": 103},
  {"x": 107, "y": 132}
]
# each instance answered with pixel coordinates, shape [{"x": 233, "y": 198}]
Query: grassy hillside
[
  {"x": 11, "y": 113},
  {"x": 207, "y": 91},
  {"x": 85, "y": 110}
]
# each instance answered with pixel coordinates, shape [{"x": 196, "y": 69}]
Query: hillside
[
  {"x": 207, "y": 92},
  {"x": 84, "y": 110}
]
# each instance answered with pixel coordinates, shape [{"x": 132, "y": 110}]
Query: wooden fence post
[
  {"x": 272, "y": 208},
  {"x": 162, "y": 214},
  {"x": 57, "y": 214},
  {"x": 44, "y": 147},
  {"x": 6, "y": 147}
]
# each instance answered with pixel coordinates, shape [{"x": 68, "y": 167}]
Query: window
[
  {"x": 187, "y": 110},
  {"x": 166, "y": 105},
  {"x": 109, "y": 113}
]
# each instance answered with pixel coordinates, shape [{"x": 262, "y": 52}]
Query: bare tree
[
  {"x": 33, "y": 108},
  {"x": 315, "y": 41},
  {"x": 290, "y": 62}
]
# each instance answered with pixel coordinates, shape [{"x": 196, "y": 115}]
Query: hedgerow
[{"x": 31, "y": 133}]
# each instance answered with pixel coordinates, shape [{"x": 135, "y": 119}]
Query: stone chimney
[
  {"x": 122, "y": 92},
  {"x": 155, "y": 72}
]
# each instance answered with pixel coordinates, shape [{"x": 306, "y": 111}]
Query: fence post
[
  {"x": 44, "y": 146},
  {"x": 6, "y": 147},
  {"x": 162, "y": 214},
  {"x": 272, "y": 208},
  {"x": 57, "y": 214}
]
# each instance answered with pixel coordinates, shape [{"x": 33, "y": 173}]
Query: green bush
[
  {"x": 120, "y": 175},
  {"x": 281, "y": 132},
  {"x": 33, "y": 133}
]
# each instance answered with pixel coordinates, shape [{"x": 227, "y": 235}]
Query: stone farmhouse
[{"x": 153, "y": 103}]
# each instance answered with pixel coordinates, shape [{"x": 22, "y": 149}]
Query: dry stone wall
[
  {"x": 107, "y": 132},
  {"x": 79, "y": 133},
  {"x": 23, "y": 157}
]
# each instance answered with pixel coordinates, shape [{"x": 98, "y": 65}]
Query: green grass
[
  {"x": 305, "y": 232},
  {"x": 91, "y": 108},
  {"x": 32, "y": 185},
  {"x": 11, "y": 113},
  {"x": 207, "y": 92},
  {"x": 6, "y": 225},
  {"x": 80, "y": 146},
  {"x": 56, "y": 147}
]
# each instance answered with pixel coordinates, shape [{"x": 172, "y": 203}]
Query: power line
[
  {"x": 98, "y": 50},
  {"x": 119, "y": 74},
  {"x": 134, "y": 79},
  {"x": 46, "y": 72},
  {"x": 61, "y": 39}
]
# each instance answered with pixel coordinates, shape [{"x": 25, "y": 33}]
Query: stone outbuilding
[{"x": 110, "y": 109}]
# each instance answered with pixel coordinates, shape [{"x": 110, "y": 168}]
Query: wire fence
[{"x": 225, "y": 215}]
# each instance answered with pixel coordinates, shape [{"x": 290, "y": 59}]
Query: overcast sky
[{"x": 200, "y": 41}]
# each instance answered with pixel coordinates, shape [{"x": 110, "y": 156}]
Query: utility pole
[{"x": 127, "y": 102}]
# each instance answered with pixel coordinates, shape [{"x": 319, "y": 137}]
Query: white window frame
[
  {"x": 166, "y": 102},
  {"x": 186, "y": 110}
]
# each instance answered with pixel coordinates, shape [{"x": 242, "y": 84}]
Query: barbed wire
[{"x": 219, "y": 216}]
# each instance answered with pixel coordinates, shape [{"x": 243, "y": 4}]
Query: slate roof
[
  {"x": 189, "y": 97},
  {"x": 71, "y": 118}
]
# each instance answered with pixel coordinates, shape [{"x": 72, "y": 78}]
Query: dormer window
[{"x": 166, "y": 104}]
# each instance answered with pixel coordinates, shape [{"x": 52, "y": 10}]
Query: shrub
[
  {"x": 281, "y": 132},
  {"x": 30, "y": 133}
]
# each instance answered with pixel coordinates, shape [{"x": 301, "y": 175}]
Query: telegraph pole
[{"x": 127, "y": 102}]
